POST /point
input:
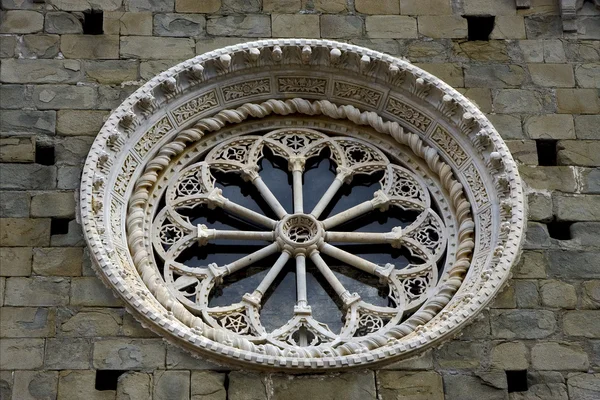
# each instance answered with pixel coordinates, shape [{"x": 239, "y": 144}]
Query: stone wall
[{"x": 63, "y": 333}]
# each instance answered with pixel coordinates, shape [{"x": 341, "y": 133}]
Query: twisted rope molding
[{"x": 140, "y": 196}]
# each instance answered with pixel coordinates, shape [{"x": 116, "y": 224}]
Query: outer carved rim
[{"x": 113, "y": 179}]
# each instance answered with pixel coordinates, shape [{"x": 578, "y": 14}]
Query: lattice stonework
[{"x": 404, "y": 216}]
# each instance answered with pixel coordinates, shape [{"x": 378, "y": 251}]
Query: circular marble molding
[{"x": 445, "y": 149}]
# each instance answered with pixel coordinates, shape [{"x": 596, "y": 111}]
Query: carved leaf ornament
[{"x": 301, "y": 205}]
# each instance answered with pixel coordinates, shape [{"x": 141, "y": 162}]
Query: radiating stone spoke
[
  {"x": 206, "y": 234},
  {"x": 297, "y": 191},
  {"x": 347, "y": 297},
  {"x": 326, "y": 198},
  {"x": 252, "y": 258},
  {"x": 301, "y": 296},
  {"x": 394, "y": 237},
  {"x": 265, "y": 284},
  {"x": 269, "y": 197},
  {"x": 358, "y": 262}
]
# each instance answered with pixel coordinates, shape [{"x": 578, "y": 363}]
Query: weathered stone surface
[
  {"x": 21, "y": 21},
  {"x": 341, "y": 26},
  {"x": 129, "y": 354},
  {"x": 588, "y": 75},
  {"x": 482, "y": 97},
  {"x": 74, "y": 236},
  {"x": 208, "y": 385},
  {"x": 418, "y": 362},
  {"x": 543, "y": 385},
  {"x": 537, "y": 236},
  {"x": 94, "y": 322},
  {"x": 557, "y": 294},
  {"x": 350, "y": 386},
  {"x": 171, "y": 385},
  {"x": 77, "y": 385},
  {"x": 247, "y": 386},
  {"x": 578, "y": 101},
  {"x": 36, "y": 385},
  {"x": 526, "y": 294},
  {"x": 53, "y": 204},
  {"x": 554, "y": 51},
  {"x": 85, "y": 5},
  {"x": 17, "y": 149},
  {"x": 27, "y": 122},
  {"x": 582, "y": 323},
  {"x": 14, "y": 96},
  {"x": 543, "y": 27},
  {"x": 111, "y": 71},
  {"x": 510, "y": 356},
  {"x": 206, "y": 6},
  {"x": 573, "y": 264},
  {"x": 79, "y": 123},
  {"x": 14, "y": 204},
  {"x": 249, "y": 25},
  {"x": 452, "y": 74},
  {"x": 579, "y": 152},
  {"x": 15, "y": 261},
  {"x": 91, "y": 292},
  {"x": 67, "y": 353},
  {"x": 586, "y": 126},
  {"x": 489, "y": 7},
  {"x": 21, "y": 353},
  {"x": 27, "y": 322},
  {"x": 90, "y": 46},
  {"x": 508, "y": 27},
  {"x": 509, "y": 101},
  {"x": 389, "y": 46},
  {"x": 540, "y": 206},
  {"x": 203, "y": 45},
  {"x": 548, "y": 178},
  {"x": 551, "y": 126},
  {"x": 591, "y": 294},
  {"x": 494, "y": 75},
  {"x": 426, "y": 385},
  {"x": 178, "y": 358},
  {"x": 40, "y": 46},
  {"x": 505, "y": 299},
  {"x": 326, "y": 6},
  {"x": 442, "y": 26},
  {"x": 36, "y": 291},
  {"x": 240, "y": 6},
  {"x": 40, "y": 71},
  {"x": 389, "y": 27},
  {"x": 586, "y": 233},
  {"x": 533, "y": 50},
  {"x": 149, "y": 5},
  {"x": 509, "y": 126},
  {"x": 466, "y": 387},
  {"x": 61, "y": 261},
  {"x": 63, "y": 23},
  {"x": 133, "y": 328},
  {"x": 134, "y": 386},
  {"x": 295, "y": 25},
  {"x": 72, "y": 150},
  {"x": 459, "y": 355},
  {"x": 554, "y": 356},
  {"x": 479, "y": 328},
  {"x": 494, "y": 50},
  {"x": 577, "y": 207},
  {"x": 128, "y": 23},
  {"x": 179, "y": 25},
  {"x": 522, "y": 324},
  {"x": 583, "y": 386},
  {"x": 156, "y": 47},
  {"x": 48, "y": 97},
  {"x": 552, "y": 75},
  {"x": 7, "y": 46},
  {"x": 377, "y": 7},
  {"x": 426, "y": 7},
  {"x": 24, "y": 231},
  {"x": 282, "y": 6},
  {"x": 425, "y": 51}
]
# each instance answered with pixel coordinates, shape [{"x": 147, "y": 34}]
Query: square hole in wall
[
  {"x": 93, "y": 21},
  {"x": 559, "y": 230},
  {"x": 107, "y": 379},
  {"x": 516, "y": 381},
  {"x": 44, "y": 154},
  {"x": 480, "y": 27},
  {"x": 59, "y": 226},
  {"x": 546, "y": 151}
]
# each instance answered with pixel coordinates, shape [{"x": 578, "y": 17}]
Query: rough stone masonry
[{"x": 66, "y": 63}]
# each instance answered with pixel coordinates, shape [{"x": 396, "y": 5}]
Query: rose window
[{"x": 301, "y": 204}]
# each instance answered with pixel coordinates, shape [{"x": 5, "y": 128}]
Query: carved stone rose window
[{"x": 301, "y": 204}]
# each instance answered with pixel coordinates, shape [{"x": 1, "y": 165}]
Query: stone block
[
  {"x": 426, "y": 385},
  {"x": 519, "y": 101},
  {"x": 508, "y": 27},
  {"x": 91, "y": 292},
  {"x": 557, "y": 294},
  {"x": 326, "y": 6},
  {"x": 341, "y": 26},
  {"x": 443, "y": 26},
  {"x": 389, "y": 46},
  {"x": 203, "y": 45},
  {"x": 36, "y": 291},
  {"x": 27, "y": 122},
  {"x": 424, "y": 51},
  {"x": 133, "y": 328},
  {"x": 590, "y": 180},
  {"x": 348, "y": 386},
  {"x": 27, "y": 322},
  {"x": 92, "y": 322},
  {"x": 555, "y": 356},
  {"x": 482, "y": 97},
  {"x": 150, "y": 5},
  {"x": 15, "y": 261},
  {"x": 591, "y": 294},
  {"x": 240, "y": 6},
  {"x": 510, "y": 356},
  {"x": 573, "y": 264},
  {"x": 14, "y": 96},
  {"x": 128, "y": 23},
  {"x": 63, "y": 23},
  {"x": 129, "y": 354},
  {"x": 478, "y": 328},
  {"x": 73, "y": 238},
  {"x": 588, "y": 75},
  {"x": 494, "y": 50},
  {"x": 100, "y": 47},
  {"x": 60, "y": 261},
  {"x": 586, "y": 126},
  {"x": 494, "y": 76},
  {"x": 77, "y": 385},
  {"x": 526, "y": 294},
  {"x": 40, "y": 71},
  {"x": 249, "y": 25},
  {"x": 388, "y": 27},
  {"x": 524, "y": 152},
  {"x": 577, "y": 207},
  {"x": 459, "y": 355},
  {"x": 53, "y": 204},
  {"x": 583, "y": 386},
  {"x": 84, "y": 5},
  {"x": 505, "y": 299},
  {"x": 113, "y": 72},
  {"x": 577, "y": 101},
  {"x": 522, "y": 324},
  {"x": 68, "y": 353},
  {"x": 295, "y": 25},
  {"x": 537, "y": 236},
  {"x": 548, "y": 178},
  {"x": 24, "y": 231},
  {"x": 452, "y": 74},
  {"x": 584, "y": 153},
  {"x": 72, "y": 150},
  {"x": 539, "y": 206},
  {"x": 543, "y": 27},
  {"x": 508, "y": 126},
  {"x": 418, "y": 362},
  {"x": 68, "y": 177},
  {"x": 377, "y": 7},
  {"x": 489, "y": 7},
  {"x": 533, "y": 50},
  {"x": 53, "y": 97},
  {"x": 179, "y": 25},
  {"x": 554, "y": 51},
  {"x": 583, "y": 323},
  {"x": 17, "y": 149},
  {"x": 587, "y": 234},
  {"x": 171, "y": 385},
  {"x": 550, "y": 126},
  {"x": 248, "y": 386},
  {"x": 14, "y": 204},
  {"x": 21, "y": 21},
  {"x": 21, "y": 354},
  {"x": 36, "y": 385},
  {"x": 552, "y": 75},
  {"x": 205, "y": 6},
  {"x": 7, "y": 46},
  {"x": 466, "y": 387},
  {"x": 134, "y": 386},
  {"x": 156, "y": 47},
  {"x": 40, "y": 46},
  {"x": 178, "y": 358},
  {"x": 2, "y": 287},
  {"x": 543, "y": 385},
  {"x": 208, "y": 385},
  {"x": 80, "y": 122},
  {"x": 426, "y": 7}
]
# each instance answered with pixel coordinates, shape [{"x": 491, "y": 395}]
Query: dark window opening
[
  {"x": 59, "y": 226},
  {"x": 517, "y": 381},
  {"x": 546, "y": 150},
  {"x": 559, "y": 230},
  {"x": 44, "y": 154},
  {"x": 107, "y": 379},
  {"x": 480, "y": 28},
  {"x": 93, "y": 22}
]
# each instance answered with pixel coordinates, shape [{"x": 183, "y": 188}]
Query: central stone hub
[{"x": 300, "y": 230}]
